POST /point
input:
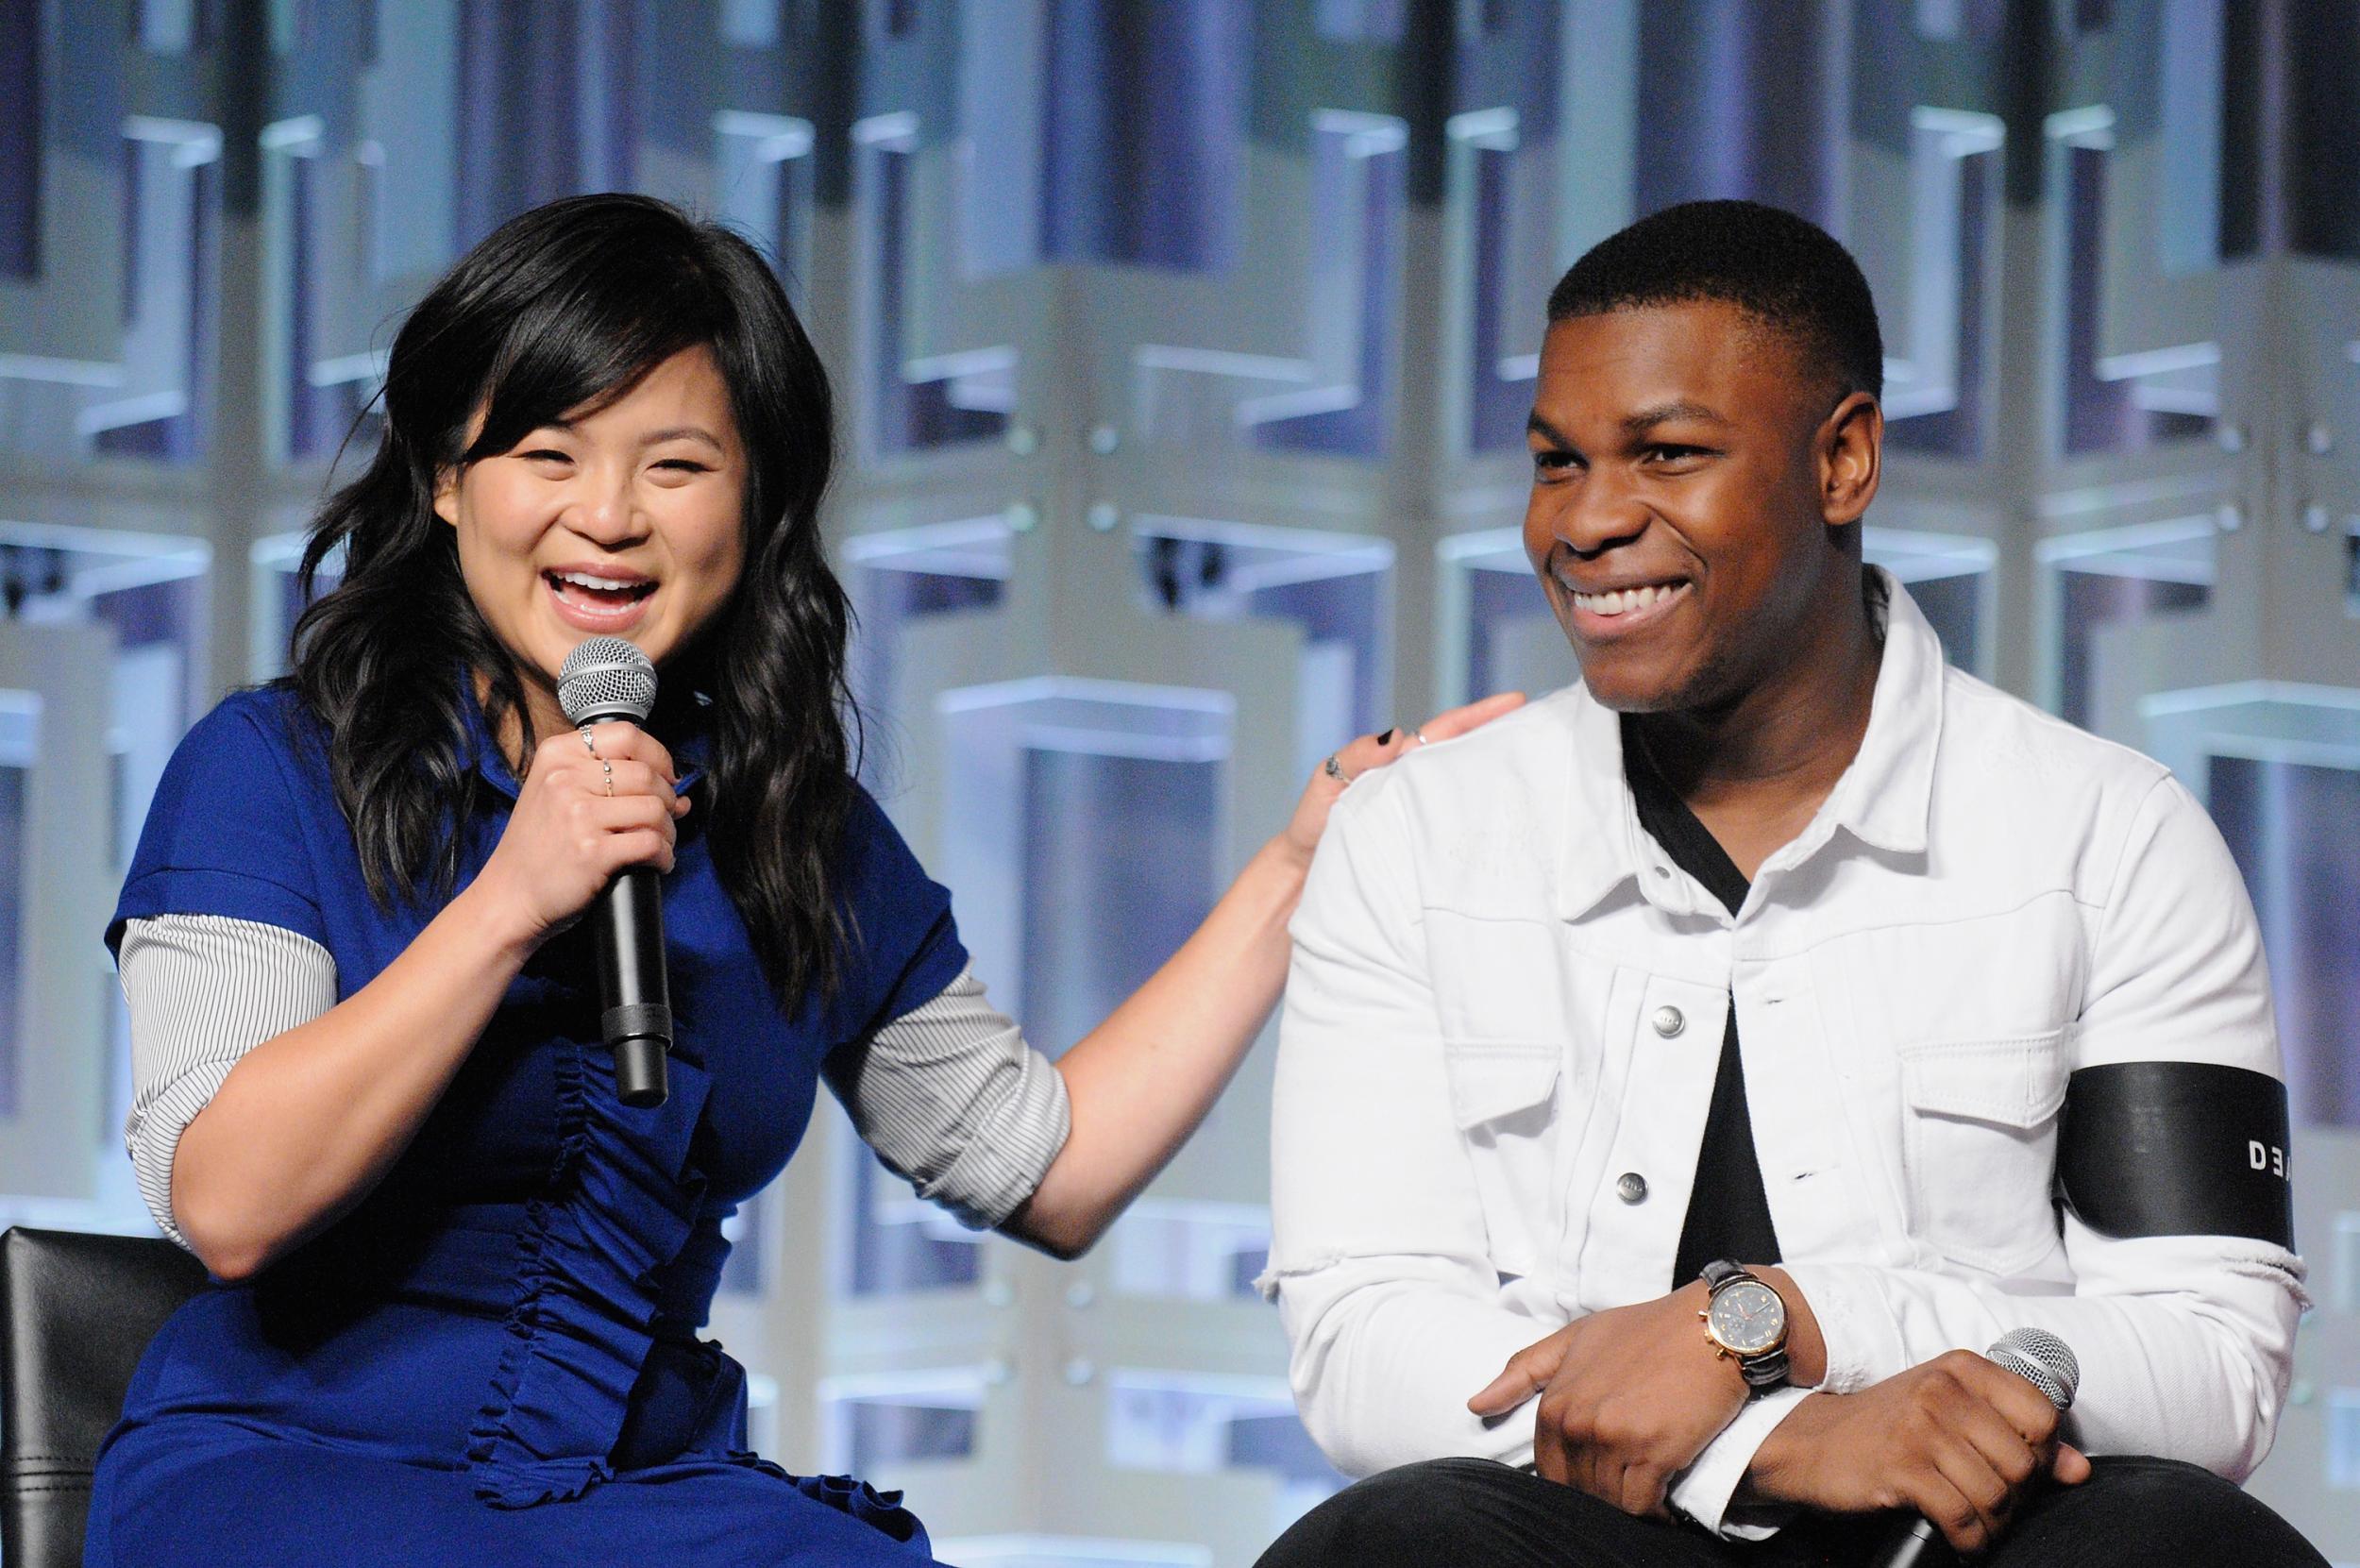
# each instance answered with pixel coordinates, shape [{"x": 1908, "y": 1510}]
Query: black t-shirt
[{"x": 1728, "y": 1210}]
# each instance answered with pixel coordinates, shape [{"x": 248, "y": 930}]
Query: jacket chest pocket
[
  {"x": 1504, "y": 1100},
  {"x": 1979, "y": 1147}
]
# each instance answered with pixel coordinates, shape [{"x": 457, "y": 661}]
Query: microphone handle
[
  {"x": 637, "y": 1020},
  {"x": 1919, "y": 1546}
]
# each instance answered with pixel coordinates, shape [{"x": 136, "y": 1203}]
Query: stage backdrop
[{"x": 1184, "y": 348}]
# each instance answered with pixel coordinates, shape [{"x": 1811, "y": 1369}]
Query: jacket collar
[{"x": 1884, "y": 798}]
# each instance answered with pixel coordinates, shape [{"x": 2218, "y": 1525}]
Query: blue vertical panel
[
  {"x": 1499, "y": 405},
  {"x": 2289, "y": 825},
  {"x": 1117, "y": 872},
  {"x": 2188, "y": 206},
  {"x": 2343, "y": 1439},
  {"x": 181, "y": 437},
  {"x": 1958, "y": 431},
  {"x": 2242, "y": 222},
  {"x": 1953, "y": 607},
  {"x": 131, "y": 208},
  {"x": 516, "y": 136},
  {"x": 1494, "y": 599},
  {"x": 1360, "y": 21},
  {"x": 547, "y": 104},
  {"x": 1504, "y": 86},
  {"x": 11, "y": 886},
  {"x": 905, "y": 415},
  {"x": 744, "y": 1271},
  {"x": 21, "y": 98},
  {"x": 1376, "y": 183},
  {"x": 609, "y": 84},
  {"x": 2100, "y": 415},
  {"x": 890, "y": 1259},
  {"x": 885, "y": 600},
  {"x": 750, "y": 24},
  {"x": 1144, "y": 132},
  {"x": 2089, "y": 602},
  {"x": 1000, "y": 111},
  {"x": 2322, "y": 132},
  {"x": 887, "y": 1434},
  {"x": 1740, "y": 98},
  {"x": 415, "y": 80},
  {"x": 307, "y": 435}
]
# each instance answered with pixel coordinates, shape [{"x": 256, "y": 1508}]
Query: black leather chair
[{"x": 79, "y": 1311}]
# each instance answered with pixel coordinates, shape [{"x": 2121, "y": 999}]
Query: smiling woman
[
  {"x": 457, "y": 1279},
  {"x": 605, "y": 390},
  {"x": 626, "y": 520}
]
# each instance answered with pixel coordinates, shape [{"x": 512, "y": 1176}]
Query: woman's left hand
[{"x": 1373, "y": 751}]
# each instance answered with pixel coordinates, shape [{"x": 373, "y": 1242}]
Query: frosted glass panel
[
  {"x": 2342, "y": 1292},
  {"x": 1200, "y": 1423},
  {"x": 1117, "y": 872},
  {"x": 1192, "y": 1251},
  {"x": 874, "y": 1423},
  {"x": 901, "y": 1243},
  {"x": 1334, "y": 586},
  {"x": 2113, "y": 577},
  {"x": 885, "y": 1435},
  {"x": 2343, "y": 1440},
  {"x": 903, "y": 576}
]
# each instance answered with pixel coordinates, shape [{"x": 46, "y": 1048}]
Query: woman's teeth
[
  {"x": 1624, "y": 600},
  {"x": 586, "y": 584}
]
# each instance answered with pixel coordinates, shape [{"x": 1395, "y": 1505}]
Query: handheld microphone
[
  {"x": 608, "y": 680},
  {"x": 2041, "y": 1359}
]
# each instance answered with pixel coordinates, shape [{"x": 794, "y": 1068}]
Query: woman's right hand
[{"x": 576, "y": 824}]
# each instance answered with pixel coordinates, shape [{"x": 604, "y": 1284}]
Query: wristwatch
[{"x": 1745, "y": 1321}]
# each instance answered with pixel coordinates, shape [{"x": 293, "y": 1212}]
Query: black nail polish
[{"x": 1385, "y": 739}]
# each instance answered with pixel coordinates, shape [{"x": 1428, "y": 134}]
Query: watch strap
[
  {"x": 1765, "y": 1370},
  {"x": 1722, "y": 1272}
]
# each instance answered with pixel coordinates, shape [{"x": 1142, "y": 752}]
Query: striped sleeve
[
  {"x": 202, "y": 990},
  {"x": 954, "y": 1101}
]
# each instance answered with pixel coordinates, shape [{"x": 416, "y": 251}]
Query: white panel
[{"x": 46, "y": 1149}]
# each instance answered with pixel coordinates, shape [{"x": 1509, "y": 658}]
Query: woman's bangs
[{"x": 564, "y": 361}]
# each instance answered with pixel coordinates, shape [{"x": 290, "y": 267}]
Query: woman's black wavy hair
[{"x": 560, "y": 312}]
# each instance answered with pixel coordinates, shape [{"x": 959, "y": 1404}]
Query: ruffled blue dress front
[{"x": 493, "y": 1359}]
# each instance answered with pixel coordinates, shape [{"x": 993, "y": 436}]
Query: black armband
[{"x": 2177, "y": 1149}]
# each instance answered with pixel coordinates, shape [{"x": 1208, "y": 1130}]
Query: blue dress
[{"x": 492, "y": 1359}]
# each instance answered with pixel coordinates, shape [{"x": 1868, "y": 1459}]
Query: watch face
[{"x": 1747, "y": 1317}]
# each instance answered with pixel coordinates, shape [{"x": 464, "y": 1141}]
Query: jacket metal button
[
  {"x": 1632, "y": 1187},
  {"x": 1669, "y": 1021}
]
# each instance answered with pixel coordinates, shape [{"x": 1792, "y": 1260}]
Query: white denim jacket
[{"x": 1505, "y": 996}]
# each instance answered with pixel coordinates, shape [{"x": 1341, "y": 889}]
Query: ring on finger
[
  {"x": 610, "y": 777},
  {"x": 587, "y": 744},
  {"x": 1417, "y": 734},
  {"x": 1335, "y": 769}
]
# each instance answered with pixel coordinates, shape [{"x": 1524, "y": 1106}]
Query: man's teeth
[{"x": 1626, "y": 599}]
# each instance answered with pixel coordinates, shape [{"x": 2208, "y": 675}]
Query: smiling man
[{"x": 1677, "y": 1076}]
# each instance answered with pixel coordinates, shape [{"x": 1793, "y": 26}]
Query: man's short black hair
[{"x": 1785, "y": 270}]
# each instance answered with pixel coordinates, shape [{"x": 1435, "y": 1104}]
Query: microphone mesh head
[
  {"x": 2043, "y": 1361},
  {"x": 606, "y": 678}
]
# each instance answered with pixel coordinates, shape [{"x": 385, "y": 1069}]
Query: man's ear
[{"x": 1851, "y": 451}]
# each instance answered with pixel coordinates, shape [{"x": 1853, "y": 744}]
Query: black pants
[{"x": 1473, "y": 1513}]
